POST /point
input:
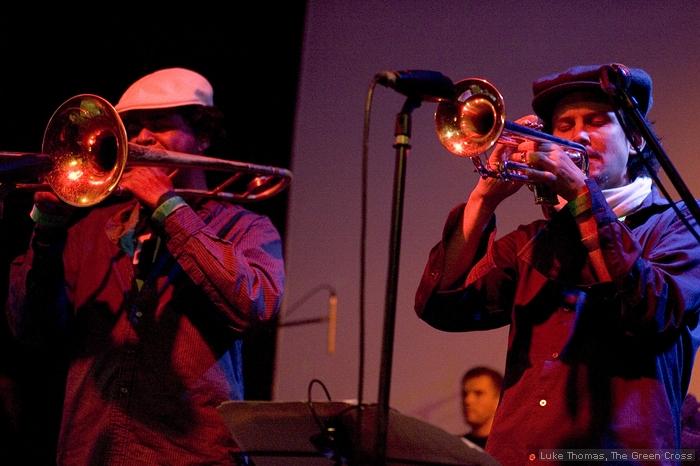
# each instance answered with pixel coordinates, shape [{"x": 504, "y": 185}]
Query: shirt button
[
  {"x": 543, "y": 402},
  {"x": 555, "y": 355},
  {"x": 124, "y": 390},
  {"x": 532, "y": 457},
  {"x": 138, "y": 313}
]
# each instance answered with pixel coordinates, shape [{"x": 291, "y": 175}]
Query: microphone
[
  {"x": 615, "y": 80},
  {"x": 332, "y": 322},
  {"x": 430, "y": 86},
  {"x": 621, "y": 76}
]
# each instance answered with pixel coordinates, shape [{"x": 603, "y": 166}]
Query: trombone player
[
  {"x": 150, "y": 295},
  {"x": 601, "y": 298}
]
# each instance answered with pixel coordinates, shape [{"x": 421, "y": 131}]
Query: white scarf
[{"x": 625, "y": 199}]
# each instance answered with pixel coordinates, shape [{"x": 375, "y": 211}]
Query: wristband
[
  {"x": 579, "y": 205},
  {"x": 49, "y": 220},
  {"x": 165, "y": 197},
  {"x": 167, "y": 207}
]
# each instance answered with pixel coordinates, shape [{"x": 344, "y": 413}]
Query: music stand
[{"x": 279, "y": 433}]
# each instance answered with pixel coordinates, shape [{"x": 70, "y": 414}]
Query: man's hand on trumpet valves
[
  {"x": 549, "y": 165},
  {"x": 494, "y": 190}
]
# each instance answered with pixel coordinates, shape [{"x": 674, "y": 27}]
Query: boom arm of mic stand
[{"x": 625, "y": 103}]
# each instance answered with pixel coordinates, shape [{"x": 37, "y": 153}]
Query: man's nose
[
  {"x": 581, "y": 136},
  {"x": 144, "y": 138}
]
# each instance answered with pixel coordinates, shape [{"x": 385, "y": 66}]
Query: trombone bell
[{"x": 88, "y": 144}]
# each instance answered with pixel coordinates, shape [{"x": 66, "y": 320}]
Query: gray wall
[{"x": 509, "y": 43}]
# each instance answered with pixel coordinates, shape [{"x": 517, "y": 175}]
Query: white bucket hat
[{"x": 167, "y": 88}]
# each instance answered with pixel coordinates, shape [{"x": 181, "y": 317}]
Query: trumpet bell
[
  {"x": 89, "y": 148},
  {"x": 467, "y": 125}
]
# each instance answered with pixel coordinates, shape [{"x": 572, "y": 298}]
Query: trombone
[
  {"x": 474, "y": 122},
  {"x": 85, "y": 152}
]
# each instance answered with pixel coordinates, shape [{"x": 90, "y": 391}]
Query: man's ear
[
  {"x": 639, "y": 141},
  {"x": 203, "y": 145}
]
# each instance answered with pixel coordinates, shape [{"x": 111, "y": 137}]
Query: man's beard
[{"x": 603, "y": 178}]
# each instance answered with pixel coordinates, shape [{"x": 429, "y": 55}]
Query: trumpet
[
  {"x": 85, "y": 151},
  {"x": 474, "y": 122}
]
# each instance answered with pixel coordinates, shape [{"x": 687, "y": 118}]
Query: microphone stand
[
  {"x": 402, "y": 131},
  {"x": 626, "y": 103}
]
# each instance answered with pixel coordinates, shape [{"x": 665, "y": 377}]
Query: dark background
[{"x": 250, "y": 54}]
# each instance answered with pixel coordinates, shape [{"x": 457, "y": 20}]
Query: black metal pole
[{"x": 403, "y": 134}]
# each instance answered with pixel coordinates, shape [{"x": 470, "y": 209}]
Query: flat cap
[
  {"x": 549, "y": 90},
  {"x": 167, "y": 88}
]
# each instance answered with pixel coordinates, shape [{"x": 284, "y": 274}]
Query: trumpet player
[
  {"x": 600, "y": 299},
  {"x": 149, "y": 295}
]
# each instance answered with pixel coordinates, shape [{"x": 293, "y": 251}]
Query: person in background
[
  {"x": 601, "y": 297},
  {"x": 481, "y": 392},
  {"x": 151, "y": 294}
]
